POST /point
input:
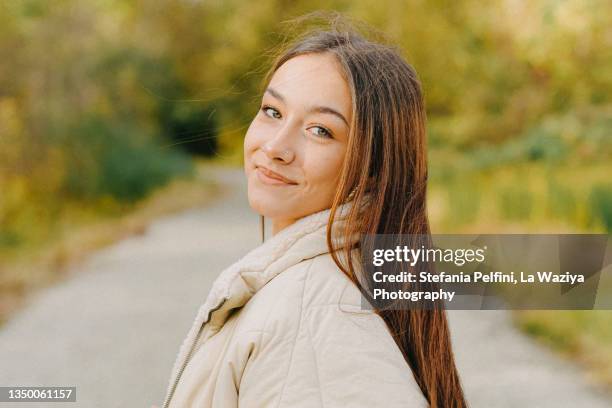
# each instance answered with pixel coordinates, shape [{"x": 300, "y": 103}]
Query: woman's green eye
[
  {"x": 322, "y": 132},
  {"x": 275, "y": 114}
]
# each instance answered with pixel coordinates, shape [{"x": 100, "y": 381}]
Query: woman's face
[{"x": 295, "y": 146}]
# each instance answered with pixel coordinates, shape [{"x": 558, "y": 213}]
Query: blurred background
[{"x": 112, "y": 112}]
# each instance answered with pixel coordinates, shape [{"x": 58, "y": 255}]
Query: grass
[
  {"x": 529, "y": 198},
  {"x": 583, "y": 335},
  {"x": 84, "y": 230},
  {"x": 535, "y": 199}
]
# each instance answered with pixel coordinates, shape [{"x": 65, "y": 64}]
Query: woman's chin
[{"x": 266, "y": 206}]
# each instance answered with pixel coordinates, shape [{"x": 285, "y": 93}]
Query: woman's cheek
[
  {"x": 252, "y": 142},
  {"x": 330, "y": 163},
  {"x": 322, "y": 170},
  {"x": 248, "y": 145}
]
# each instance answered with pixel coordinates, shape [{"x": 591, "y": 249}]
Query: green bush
[
  {"x": 464, "y": 202},
  {"x": 191, "y": 126},
  {"x": 561, "y": 201},
  {"x": 600, "y": 200},
  {"x": 119, "y": 160},
  {"x": 146, "y": 89},
  {"x": 516, "y": 203},
  {"x": 538, "y": 144}
]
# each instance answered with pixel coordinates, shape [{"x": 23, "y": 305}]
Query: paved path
[{"x": 112, "y": 329}]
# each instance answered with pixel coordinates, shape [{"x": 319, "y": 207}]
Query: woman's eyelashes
[
  {"x": 266, "y": 109},
  {"x": 273, "y": 113},
  {"x": 326, "y": 134}
]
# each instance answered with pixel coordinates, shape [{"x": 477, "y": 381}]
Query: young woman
[{"x": 336, "y": 150}]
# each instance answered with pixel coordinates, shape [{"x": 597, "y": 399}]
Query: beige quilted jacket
[{"x": 284, "y": 327}]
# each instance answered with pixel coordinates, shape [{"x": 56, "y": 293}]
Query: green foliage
[
  {"x": 113, "y": 160},
  {"x": 585, "y": 334},
  {"x": 464, "y": 199},
  {"x": 561, "y": 200},
  {"x": 190, "y": 125},
  {"x": 157, "y": 98},
  {"x": 9, "y": 238},
  {"x": 601, "y": 204},
  {"x": 556, "y": 338},
  {"x": 99, "y": 100},
  {"x": 515, "y": 203},
  {"x": 535, "y": 146}
]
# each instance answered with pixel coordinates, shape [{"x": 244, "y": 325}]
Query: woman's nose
[
  {"x": 275, "y": 153},
  {"x": 279, "y": 147}
]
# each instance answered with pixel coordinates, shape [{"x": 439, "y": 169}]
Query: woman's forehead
[{"x": 312, "y": 79}]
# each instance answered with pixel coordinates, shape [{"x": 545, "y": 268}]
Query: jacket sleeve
[
  {"x": 355, "y": 362},
  {"x": 320, "y": 354}
]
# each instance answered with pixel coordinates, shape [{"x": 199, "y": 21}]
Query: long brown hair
[{"x": 388, "y": 142}]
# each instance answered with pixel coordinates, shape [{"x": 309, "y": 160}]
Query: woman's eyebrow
[
  {"x": 275, "y": 94},
  {"x": 313, "y": 109},
  {"x": 326, "y": 109}
]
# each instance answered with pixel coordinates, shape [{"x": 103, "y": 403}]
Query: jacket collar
[{"x": 304, "y": 239}]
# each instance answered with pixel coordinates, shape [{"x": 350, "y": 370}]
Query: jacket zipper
[{"x": 189, "y": 355}]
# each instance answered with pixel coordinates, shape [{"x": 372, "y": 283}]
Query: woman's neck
[{"x": 279, "y": 224}]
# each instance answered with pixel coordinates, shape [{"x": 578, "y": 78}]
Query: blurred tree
[{"x": 505, "y": 83}]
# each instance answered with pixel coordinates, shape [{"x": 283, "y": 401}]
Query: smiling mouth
[{"x": 267, "y": 176}]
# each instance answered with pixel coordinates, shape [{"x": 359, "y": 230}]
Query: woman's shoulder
[
  {"x": 311, "y": 288},
  {"x": 314, "y": 312},
  {"x": 313, "y": 283}
]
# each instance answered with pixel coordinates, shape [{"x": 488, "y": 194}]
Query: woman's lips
[{"x": 267, "y": 176}]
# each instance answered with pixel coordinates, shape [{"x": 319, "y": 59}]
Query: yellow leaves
[
  {"x": 14, "y": 193},
  {"x": 9, "y": 120}
]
